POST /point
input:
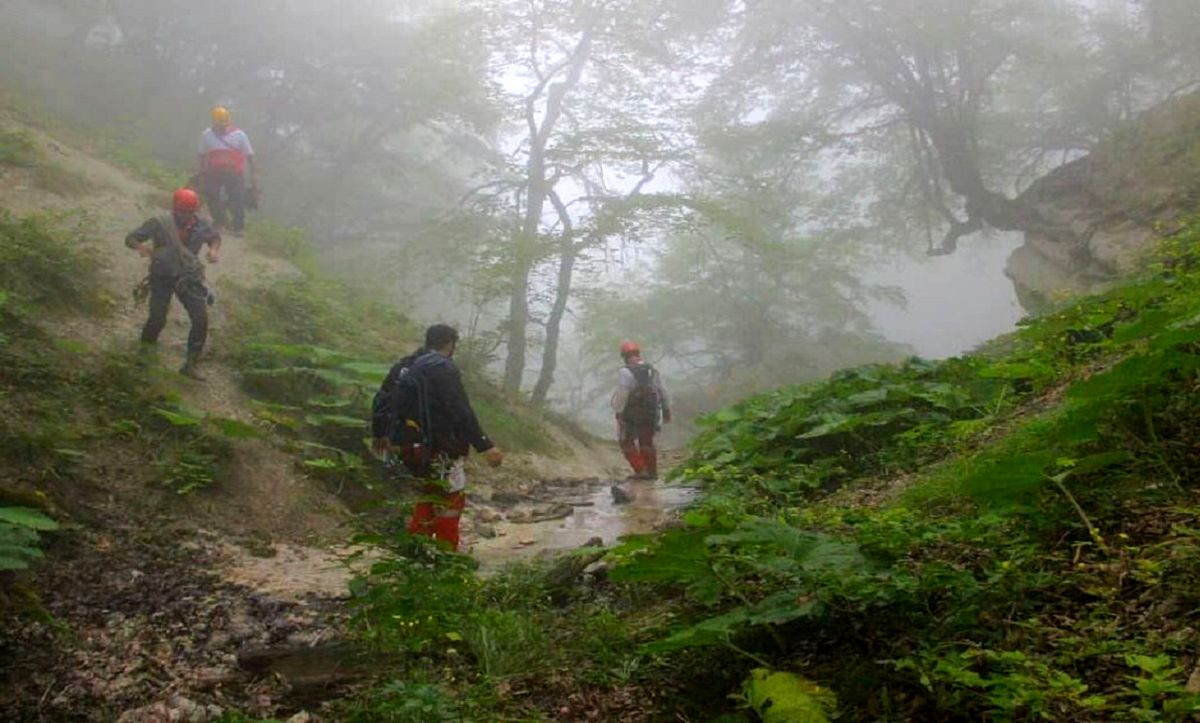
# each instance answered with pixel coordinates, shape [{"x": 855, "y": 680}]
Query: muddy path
[{"x": 144, "y": 625}]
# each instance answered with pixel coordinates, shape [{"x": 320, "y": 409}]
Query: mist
[{"x": 758, "y": 193}]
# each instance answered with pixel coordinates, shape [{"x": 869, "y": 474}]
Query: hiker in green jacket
[{"x": 173, "y": 243}]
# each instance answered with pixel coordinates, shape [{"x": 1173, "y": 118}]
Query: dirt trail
[
  {"x": 161, "y": 612},
  {"x": 264, "y": 497},
  {"x": 160, "y": 609}
]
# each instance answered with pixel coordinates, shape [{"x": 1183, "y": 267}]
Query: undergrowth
[
  {"x": 76, "y": 423},
  {"x": 312, "y": 352},
  {"x": 1008, "y": 536},
  {"x": 19, "y": 149}
]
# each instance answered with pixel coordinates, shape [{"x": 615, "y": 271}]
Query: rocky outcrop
[{"x": 1104, "y": 212}]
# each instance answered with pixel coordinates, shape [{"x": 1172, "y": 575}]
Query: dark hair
[{"x": 440, "y": 336}]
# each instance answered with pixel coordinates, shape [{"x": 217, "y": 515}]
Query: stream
[{"x": 565, "y": 515}]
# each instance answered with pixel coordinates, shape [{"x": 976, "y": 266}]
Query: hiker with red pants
[
  {"x": 173, "y": 243},
  {"x": 224, "y": 156},
  {"x": 641, "y": 405},
  {"x": 421, "y": 415}
]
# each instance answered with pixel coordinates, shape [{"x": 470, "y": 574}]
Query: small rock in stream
[
  {"x": 486, "y": 514},
  {"x": 620, "y": 496}
]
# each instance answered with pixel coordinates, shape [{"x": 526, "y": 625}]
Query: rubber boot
[
  {"x": 635, "y": 462},
  {"x": 190, "y": 370},
  {"x": 650, "y": 460},
  {"x": 421, "y": 522},
  {"x": 446, "y": 528}
]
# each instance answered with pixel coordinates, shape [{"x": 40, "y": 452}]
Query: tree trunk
[
  {"x": 525, "y": 253},
  {"x": 566, "y": 270}
]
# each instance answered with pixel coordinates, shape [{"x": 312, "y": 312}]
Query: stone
[
  {"x": 1121, "y": 247},
  {"x": 620, "y": 495},
  {"x": 487, "y": 514},
  {"x": 178, "y": 710},
  {"x": 213, "y": 677}
]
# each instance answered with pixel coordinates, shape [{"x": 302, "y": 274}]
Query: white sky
[{"x": 955, "y": 302}]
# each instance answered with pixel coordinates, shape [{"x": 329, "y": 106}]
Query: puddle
[{"x": 595, "y": 514}]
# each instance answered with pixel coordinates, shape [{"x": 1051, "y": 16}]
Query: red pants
[
  {"x": 637, "y": 442},
  {"x": 437, "y": 514}
]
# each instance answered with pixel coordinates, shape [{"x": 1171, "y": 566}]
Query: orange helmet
[
  {"x": 630, "y": 347},
  {"x": 185, "y": 199}
]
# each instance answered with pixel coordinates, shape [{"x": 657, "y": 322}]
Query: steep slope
[
  {"x": 262, "y": 483},
  {"x": 200, "y": 519}
]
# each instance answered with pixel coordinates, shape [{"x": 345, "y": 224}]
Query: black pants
[
  {"x": 194, "y": 298},
  {"x": 234, "y": 187}
]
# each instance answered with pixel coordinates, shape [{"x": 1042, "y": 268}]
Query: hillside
[
  {"x": 182, "y": 519},
  {"x": 1010, "y": 535}
]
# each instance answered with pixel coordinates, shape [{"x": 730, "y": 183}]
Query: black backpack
[
  {"x": 401, "y": 412},
  {"x": 644, "y": 403}
]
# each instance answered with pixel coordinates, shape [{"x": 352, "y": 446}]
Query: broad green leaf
[
  {"x": 334, "y": 420},
  {"x": 181, "y": 417},
  {"x": 781, "y": 697},
  {"x": 234, "y": 428},
  {"x": 323, "y": 463},
  {"x": 27, "y": 517}
]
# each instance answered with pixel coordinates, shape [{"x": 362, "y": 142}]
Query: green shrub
[
  {"x": 44, "y": 262},
  {"x": 18, "y": 148},
  {"x": 19, "y": 543}
]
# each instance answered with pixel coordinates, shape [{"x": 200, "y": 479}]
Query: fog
[{"x": 759, "y": 193}]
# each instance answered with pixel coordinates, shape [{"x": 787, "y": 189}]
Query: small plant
[
  {"x": 406, "y": 702},
  {"x": 19, "y": 536},
  {"x": 18, "y": 148},
  {"x": 189, "y": 471},
  {"x": 43, "y": 262},
  {"x": 61, "y": 181},
  {"x": 280, "y": 241},
  {"x": 506, "y": 643}
]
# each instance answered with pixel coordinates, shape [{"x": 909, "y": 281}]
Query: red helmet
[
  {"x": 630, "y": 347},
  {"x": 185, "y": 199}
]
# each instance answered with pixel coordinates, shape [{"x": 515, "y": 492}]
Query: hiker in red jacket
[
  {"x": 225, "y": 155},
  {"x": 639, "y": 400}
]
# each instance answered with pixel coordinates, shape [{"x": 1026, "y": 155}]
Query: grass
[
  {"x": 140, "y": 160},
  {"x": 19, "y": 149},
  {"x": 78, "y": 423},
  {"x": 62, "y": 181}
]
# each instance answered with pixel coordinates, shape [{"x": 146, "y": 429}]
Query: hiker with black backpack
[
  {"x": 641, "y": 405},
  {"x": 421, "y": 415},
  {"x": 172, "y": 242}
]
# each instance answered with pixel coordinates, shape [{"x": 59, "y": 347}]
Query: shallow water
[{"x": 596, "y": 514}]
